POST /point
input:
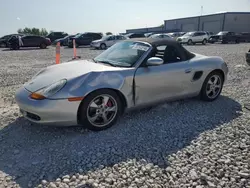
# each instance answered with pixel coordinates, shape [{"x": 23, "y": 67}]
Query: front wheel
[
  {"x": 100, "y": 110},
  {"x": 103, "y": 46},
  {"x": 212, "y": 86},
  {"x": 190, "y": 42}
]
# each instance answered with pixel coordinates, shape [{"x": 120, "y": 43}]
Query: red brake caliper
[{"x": 109, "y": 104}]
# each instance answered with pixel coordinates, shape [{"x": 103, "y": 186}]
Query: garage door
[
  {"x": 188, "y": 27},
  {"x": 214, "y": 26}
]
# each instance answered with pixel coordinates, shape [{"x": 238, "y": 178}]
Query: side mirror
[{"x": 154, "y": 61}]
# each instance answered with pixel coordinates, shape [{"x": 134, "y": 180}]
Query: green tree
[
  {"x": 109, "y": 33},
  {"x": 33, "y": 31}
]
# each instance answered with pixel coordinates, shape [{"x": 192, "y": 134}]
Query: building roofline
[{"x": 208, "y": 15}]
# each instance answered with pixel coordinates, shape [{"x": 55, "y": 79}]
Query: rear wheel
[
  {"x": 204, "y": 42},
  {"x": 237, "y": 41},
  {"x": 43, "y": 46},
  {"x": 212, "y": 86},
  {"x": 100, "y": 110}
]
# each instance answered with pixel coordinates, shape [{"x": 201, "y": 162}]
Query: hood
[{"x": 68, "y": 70}]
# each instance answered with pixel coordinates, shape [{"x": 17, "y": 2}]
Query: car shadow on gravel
[{"x": 31, "y": 152}]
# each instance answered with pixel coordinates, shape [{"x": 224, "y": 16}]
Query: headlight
[{"x": 49, "y": 90}]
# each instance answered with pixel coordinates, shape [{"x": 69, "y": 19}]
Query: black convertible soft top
[{"x": 158, "y": 42}]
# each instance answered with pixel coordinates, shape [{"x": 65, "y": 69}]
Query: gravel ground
[{"x": 187, "y": 143}]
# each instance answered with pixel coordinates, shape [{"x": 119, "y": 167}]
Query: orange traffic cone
[
  {"x": 74, "y": 48},
  {"x": 58, "y": 53}
]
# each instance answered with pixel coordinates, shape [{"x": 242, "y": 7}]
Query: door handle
[{"x": 188, "y": 70}]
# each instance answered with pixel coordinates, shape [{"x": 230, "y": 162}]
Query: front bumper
[{"x": 59, "y": 112}]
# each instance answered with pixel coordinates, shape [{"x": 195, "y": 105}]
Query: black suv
[
  {"x": 84, "y": 39},
  {"x": 225, "y": 37},
  {"x": 56, "y": 35}
]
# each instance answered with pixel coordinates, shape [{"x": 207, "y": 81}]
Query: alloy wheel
[
  {"x": 102, "y": 110},
  {"x": 214, "y": 86}
]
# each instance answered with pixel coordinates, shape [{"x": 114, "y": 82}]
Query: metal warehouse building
[{"x": 228, "y": 21}]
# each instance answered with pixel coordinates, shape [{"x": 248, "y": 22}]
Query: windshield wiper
[{"x": 106, "y": 62}]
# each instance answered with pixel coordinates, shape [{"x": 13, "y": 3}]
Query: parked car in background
[
  {"x": 225, "y": 37},
  {"x": 148, "y": 34},
  {"x": 4, "y": 40},
  {"x": 175, "y": 35},
  {"x": 245, "y": 37},
  {"x": 84, "y": 39},
  {"x": 132, "y": 73},
  {"x": 161, "y": 36},
  {"x": 209, "y": 34},
  {"x": 107, "y": 41},
  {"x": 193, "y": 38},
  {"x": 29, "y": 41},
  {"x": 56, "y": 35},
  {"x": 63, "y": 41},
  {"x": 135, "y": 35},
  {"x": 248, "y": 57}
]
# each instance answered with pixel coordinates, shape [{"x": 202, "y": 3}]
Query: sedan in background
[
  {"x": 29, "y": 41},
  {"x": 107, "y": 41},
  {"x": 131, "y": 73},
  {"x": 161, "y": 36},
  {"x": 83, "y": 39},
  {"x": 63, "y": 41}
]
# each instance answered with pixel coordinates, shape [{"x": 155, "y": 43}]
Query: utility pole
[{"x": 201, "y": 10}]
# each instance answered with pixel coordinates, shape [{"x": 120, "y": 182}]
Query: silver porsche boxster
[{"x": 132, "y": 73}]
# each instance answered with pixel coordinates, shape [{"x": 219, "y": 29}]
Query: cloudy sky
[{"x": 101, "y": 16}]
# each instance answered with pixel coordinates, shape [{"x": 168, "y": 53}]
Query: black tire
[
  {"x": 237, "y": 41},
  {"x": 103, "y": 46},
  {"x": 83, "y": 109},
  {"x": 43, "y": 46},
  {"x": 203, "y": 92},
  {"x": 204, "y": 42},
  {"x": 190, "y": 42}
]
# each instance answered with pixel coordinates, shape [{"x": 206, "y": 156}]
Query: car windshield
[
  {"x": 123, "y": 54},
  {"x": 189, "y": 34},
  {"x": 106, "y": 37},
  {"x": 222, "y": 33},
  {"x": 78, "y": 35}
]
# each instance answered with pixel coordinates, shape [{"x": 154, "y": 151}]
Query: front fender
[{"x": 81, "y": 86}]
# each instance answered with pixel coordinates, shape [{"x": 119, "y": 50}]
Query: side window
[
  {"x": 119, "y": 37},
  {"x": 196, "y": 34}
]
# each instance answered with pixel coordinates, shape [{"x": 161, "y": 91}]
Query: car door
[
  {"x": 167, "y": 81},
  {"x": 27, "y": 41},
  {"x": 85, "y": 39},
  {"x": 196, "y": 37}
]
